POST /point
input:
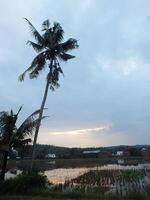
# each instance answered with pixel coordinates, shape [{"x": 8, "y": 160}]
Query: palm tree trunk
[
  {"x": 4, "y": 163},
  {"x": 40, "y": 115}
]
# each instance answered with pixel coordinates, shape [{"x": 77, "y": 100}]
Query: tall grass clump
[
  {"x": 24, "y": 184},
  {"x": 119, "y": 182}
]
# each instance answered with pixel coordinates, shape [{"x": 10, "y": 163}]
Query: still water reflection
[
  {"x": 62, "y": 174},
  {"x": 58, "y": 173}
]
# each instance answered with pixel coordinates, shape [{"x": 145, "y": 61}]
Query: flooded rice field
[
  {"x": 119, "y": 177},
  {"x": 58, "y": 171},
  {"x": 62, "y": 174}
]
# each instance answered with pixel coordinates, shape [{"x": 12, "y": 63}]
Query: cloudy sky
[{"x": 104, "y": 98}]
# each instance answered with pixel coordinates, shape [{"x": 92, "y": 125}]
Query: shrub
[{"x": 23, "y": 184}]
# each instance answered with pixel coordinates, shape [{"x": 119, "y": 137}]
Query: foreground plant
[
  {"x": 51, "y": 50},
  {"x": 24, "y": 184},
  {"x": 36, "y": 186},
  {"x": 121, "y": 182},
  {"x": 13, "y": 137}
]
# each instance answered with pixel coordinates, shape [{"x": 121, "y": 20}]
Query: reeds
[{"x": 118, "y": 182}]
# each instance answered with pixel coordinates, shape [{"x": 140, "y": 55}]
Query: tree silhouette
[
  {"x": 51, "y": 50},
  {"x": 13, "y": 137}
]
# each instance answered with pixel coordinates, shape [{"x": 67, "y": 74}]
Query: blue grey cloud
[{"x": 107, "y": 83}]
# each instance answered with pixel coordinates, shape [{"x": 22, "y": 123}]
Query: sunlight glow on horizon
[{"x": 80, "y": 131}]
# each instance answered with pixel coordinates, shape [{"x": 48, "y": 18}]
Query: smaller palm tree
[{"x": 13, "y": 137}]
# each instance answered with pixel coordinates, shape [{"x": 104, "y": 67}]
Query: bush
[{"x": 23, "y": 184}]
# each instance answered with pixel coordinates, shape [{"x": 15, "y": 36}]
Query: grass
[
  {"x": 25, "y": 198},
  {"x": 93, "y": 185},
  {"x": 121, "y": 182},
  {"x": 76, "y": 196}
]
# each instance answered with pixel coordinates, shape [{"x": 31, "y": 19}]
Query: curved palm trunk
[
  {"x": 40, "y": 116},
  {"x": 4, "y": 164}
]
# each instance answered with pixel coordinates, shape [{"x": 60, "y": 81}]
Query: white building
[
  {"x": 119, "y": 153},
  {"x": 15, "y": 152},
  {"x": 91, "y": 152},
  {"x": 50, "y": 155}
]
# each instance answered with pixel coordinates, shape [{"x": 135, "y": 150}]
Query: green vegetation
[
  {"x": 108, "y": 177},
  {"x": 75, "y": 153},
  {"x": 12, "y": 136},
  {"x": 80, "y": 196},
  {"x": 23, "y": 184},
  {"x": 45, "y": 164},
  {"x": 120, "y": 182},
  {"x": 97, "y": 184}
]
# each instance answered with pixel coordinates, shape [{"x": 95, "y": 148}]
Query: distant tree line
[{"x": 42, "y": 150}]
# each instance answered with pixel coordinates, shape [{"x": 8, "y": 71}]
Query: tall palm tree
[
  {"x": 11, "y": 136},
  {"x": 51, "y": 50}
]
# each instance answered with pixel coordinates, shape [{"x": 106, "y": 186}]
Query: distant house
[
  {"x": 120, "y": 161},
  {"x": 50, "y": 155},
  {"x": 119, "y": 153},
  {"x": 105, "y": 154},
  {"x": 18, "y": 158},
  {"x": 91, "y": 153},
  {"x": 126, "y": 153},
  {"x": 145, "y": 152},
  {"x": 15, "y": 152},
  {"x": 27, "y": 158}
]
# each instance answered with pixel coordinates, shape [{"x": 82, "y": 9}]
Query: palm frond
[
  {"x": 26, "y": 141},
  {"x": 31, "y": 118},
  {"x": 22, "y": 76},
  {"x": 19, "y": 110},
  {"x": 21, "y": 142},
  {"x": 51, "y": 42},
  {"x": 37, "y": 64},
  {"x": 10, "y": 135},
  {"x": 53, "y": 81},
  {"x": 58, "y": 32},
  {"x": 54, "y": 86},
  {"x": 66, "y": 57},
  {"x": 35, "y": 33},
  {"x": 3, "y": 117},
  {"x": 48, "y": 38},
  {"x": 27, "y": 129},
  {"x": 60, "y": 70},
  {"x": 45, "y": 25},
  {"x": 7, "y": 126},
  {"x": 69, "y": 45},
  {"x": 38, "y": 48},
  {"x": 28, "y": 126},
  {"x": 34, "y": 114},
  {"x": 3, "y": 122}
]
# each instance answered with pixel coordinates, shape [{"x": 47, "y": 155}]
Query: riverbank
[{"x": 48, "y": 164}]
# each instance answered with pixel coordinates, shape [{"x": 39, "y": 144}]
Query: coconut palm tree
[
  {"x": 11, "y": 136},
  {"x": 51, "y": 50}
]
